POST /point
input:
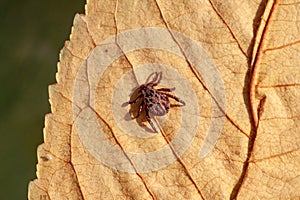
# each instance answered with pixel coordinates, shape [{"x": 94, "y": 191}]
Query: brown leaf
[{"x": 234, "y": 63}]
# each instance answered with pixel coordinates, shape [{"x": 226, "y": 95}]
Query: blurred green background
[{"x": 32, "y": 34}]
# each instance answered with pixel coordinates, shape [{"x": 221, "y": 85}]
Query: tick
[{"x": 154, "y": 101}]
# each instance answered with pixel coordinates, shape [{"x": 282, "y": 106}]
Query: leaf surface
[{"x": 254, "y": 47}]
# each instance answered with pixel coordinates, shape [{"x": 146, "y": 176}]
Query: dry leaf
[{"x": 235, "y": 64}]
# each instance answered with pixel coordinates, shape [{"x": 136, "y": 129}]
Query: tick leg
[
  {"x": 176, "y": 98},
  {"x": 136, "y": 99},
  {"x": 140, "y": 110},
  {"x": 148, "y": 79},
  {"x": 159, "y": 78},
  {"x": 166, "y": 89},
  {"x": 156, "y": 80},
  {"x": 150, "y": 122}
]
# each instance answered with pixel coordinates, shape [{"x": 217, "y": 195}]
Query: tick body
[{"x": 154, "y": 101}]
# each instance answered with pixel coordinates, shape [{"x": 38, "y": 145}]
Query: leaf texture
[{"x": 254, "y": 47}]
